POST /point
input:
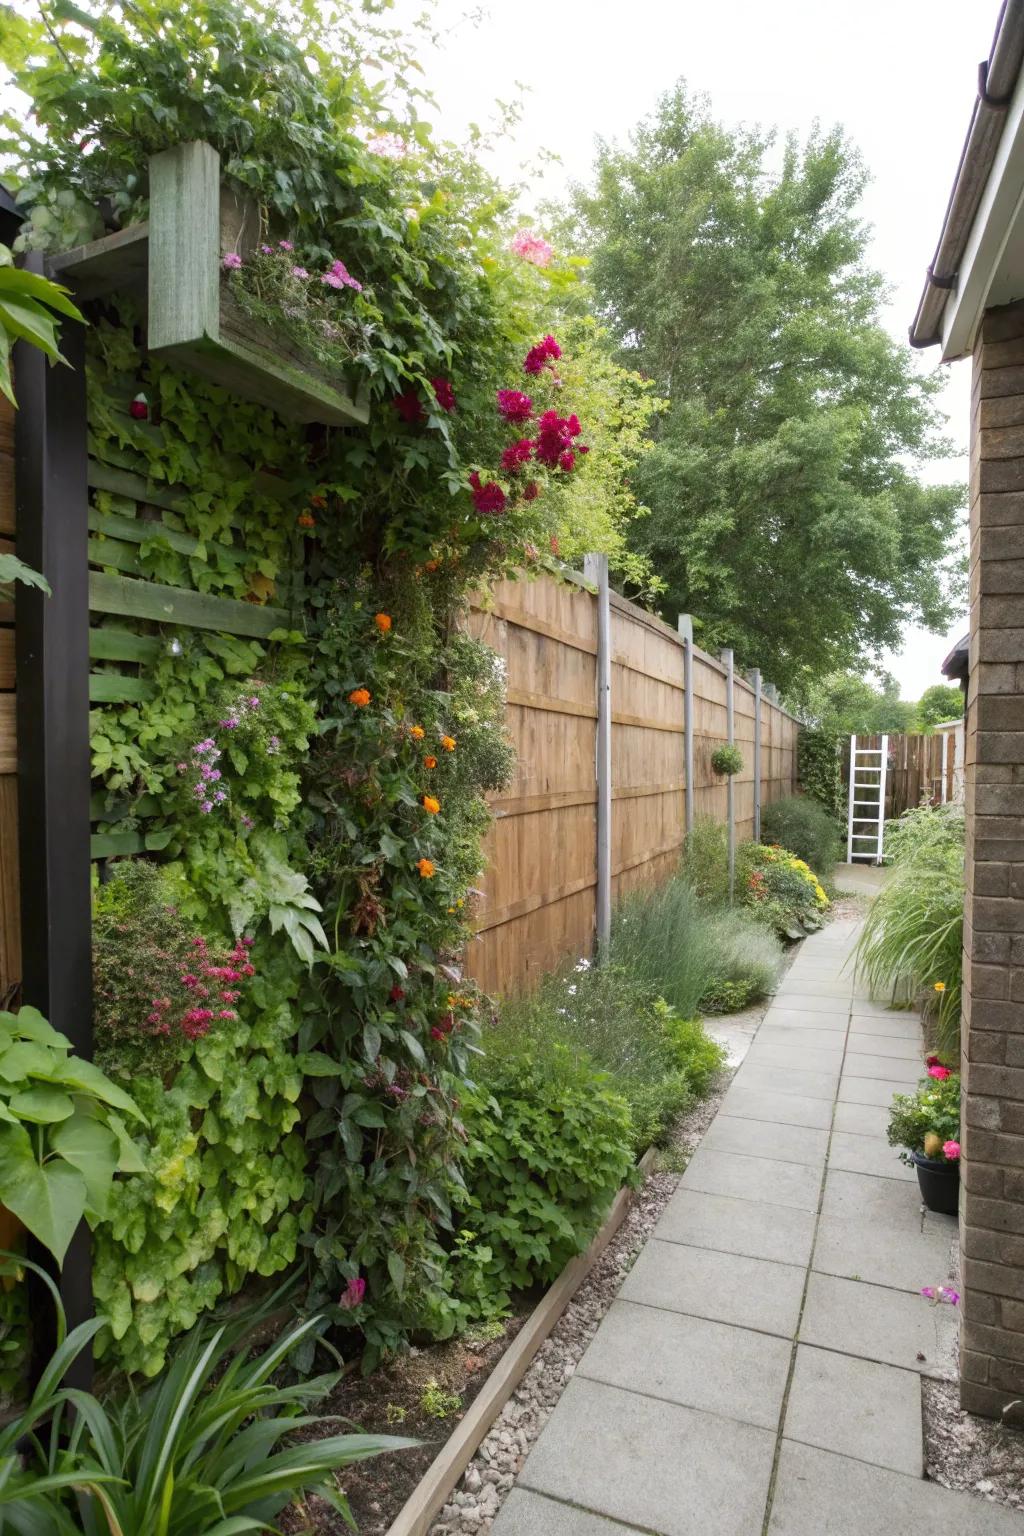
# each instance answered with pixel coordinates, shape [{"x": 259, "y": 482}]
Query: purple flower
[
  {"x": 248, "y": 823},
  {"x": 947, "y": 1293},
  {"x": 199, "y": 790},
  {"x": 207, "y": 772},
  {"x": 273, "y": 745},
  {"x": 254, "y": 702},
  {"x": 214, "y": 774},
  {"x": 340, "y": 277},
  {"x": 267, "y": 249},
  {"x": 299, "y": 272},
  {"x": 206, "y": 807},
  {"x": 928, "y": 1292},
  {"x": 220, "y": 795},
  {"x": 231, "y": 262},
  {"x": 230, "y": 724}
]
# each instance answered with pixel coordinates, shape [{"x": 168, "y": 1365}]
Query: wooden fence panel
[
  {"x": 916, "y": 767},
  {"x": 10, "y": 906},
  {"x": 539, "y": 893}
]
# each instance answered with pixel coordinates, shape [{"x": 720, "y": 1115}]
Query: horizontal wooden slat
[
  {"x": 529, "y": 700},
  {"x": 176, "y": 605},
  {"x": 106, "y": 477},
  {"x": 110, "y": 644},
  {"x": 8, "y": 736},
  {"x": 139, "y": 530},
  {"x": 99, "y": 810},
  {"x": 528, "y": 805},
  {"x": 107, "y": 845},
  {"x": 536, "y": 626},
  {"x": 533, "y": 903},
  {"x": 112, "y": 688},
  {"x": 112, "y": 552}
]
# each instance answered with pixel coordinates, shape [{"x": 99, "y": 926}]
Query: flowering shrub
[
  {"x": 780, "y": 889},
  {"x": 928, "y": 1121}
]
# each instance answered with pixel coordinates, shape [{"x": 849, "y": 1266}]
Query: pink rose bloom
[
  {"x": 231, "y": 262},
  {"x": 531, "y": 247},
  {"x": 353, "y": 1294},
  {"x": 951, "y": 1149},
  {"x": 941, "y": 1073},
  {"x": 285, "y": 245}
]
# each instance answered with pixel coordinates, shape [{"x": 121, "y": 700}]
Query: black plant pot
[{"x": 939, "y": 1182}]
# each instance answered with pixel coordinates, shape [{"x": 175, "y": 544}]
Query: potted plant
[
  {"x": 727, "y": 760},
  {"x": 926, "y": 1125}
]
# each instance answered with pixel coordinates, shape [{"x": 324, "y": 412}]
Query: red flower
[
  {"x": 514, "y": 405},
  {"x": 489, "y": 498},
  {"x": 567, "y": 461},
  {"x": 516, "y": 454},
  {"x": 353, "y": 1294},
  {"x": 409, "y": 406},
  {"x": 443, "y": 394},
  {"x": 553, "y": 438},
  {"x": 396, "y": 994},
  {"x": 532, "y": 491},
  {"x": 941, "y": 1073},
  {"x": 542, "y": 355}
]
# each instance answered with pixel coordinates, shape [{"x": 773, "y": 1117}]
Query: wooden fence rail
[{"x": 540, "y": 890}]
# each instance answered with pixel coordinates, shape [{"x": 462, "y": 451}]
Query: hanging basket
[{"x": 727, "y": 761}]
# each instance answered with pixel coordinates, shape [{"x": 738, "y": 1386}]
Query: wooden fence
[
  {"x": 919, "y": 768},
  {"x": 10, "y": 905},
  {"x": 541, "y": 886}
]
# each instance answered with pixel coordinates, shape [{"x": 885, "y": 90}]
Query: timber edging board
[{"x": 422, "y": 1506}]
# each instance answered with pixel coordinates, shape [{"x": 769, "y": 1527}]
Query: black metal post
[{"x": 52, "y": 676}]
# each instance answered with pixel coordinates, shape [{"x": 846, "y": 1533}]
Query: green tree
[
  {"x": 783, "y": 513},
  {"x": 942, "y": 701},
  {"x": 849, "y": 705}
]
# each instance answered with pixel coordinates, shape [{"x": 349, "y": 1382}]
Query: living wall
[{"x": 304, "y": 765}]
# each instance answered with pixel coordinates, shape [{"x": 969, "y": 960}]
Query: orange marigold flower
[
  {"x": 306, "y": 520},
  {"x": 360, "y": 697},
  {"x": 318, "y": 501},
  {"x": 432, "y": 565},
  {"x": 383, "y": 622},
  {"x": 430, "y": 762},
  {"x": 425, "y": 868},
  {"x": 430, "y": 805},
  {"x": 417, "y": 732},
  {"x": 448, "y": 742}
]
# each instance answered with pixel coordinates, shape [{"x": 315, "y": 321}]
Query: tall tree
[
  {"x": 783, "y": 511},
  {"x": 942, "y": 701}
]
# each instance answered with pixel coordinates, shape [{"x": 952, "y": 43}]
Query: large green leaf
[
  {"x": 27, "y": 1059},
  {"x": 26, "y": 320},
  {"x": 30, "y": 1025},
  {"x": 87, "y": 1078},
  {"x": 49, "y": 1200},
  {"x": 15, "y": 282},
  {"x": 90, "y": 1147},
  {"x": 43, "y": 1105}
]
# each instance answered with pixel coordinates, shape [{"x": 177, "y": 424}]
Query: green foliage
[
  {"x": 933, "y": 1112},
  {"x": 206, "y": 1449},
  {"x": 726, "y": 761},
  {"x": 846, "y": 704},
  {"x": 732, "y": 270},
  {"x": 942, "y": 701},
  {"x": 802, "y": 824},
  {"x": 819, "y": 768},
  {"x": 911, "y": 944},
  {"x": 62, "y": 1138},
  {"x": 696, "y": 956},
  {"x": 780, "y": 889},
  {"x": 29, "y": 307},
  {"x": 548, "y": 1148},
  {"x": 706, "y": 859},
  {"x": 438, "y": 1403}
]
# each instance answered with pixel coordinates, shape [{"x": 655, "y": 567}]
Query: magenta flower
[
  {"x": 489, "y": 498},
  {"x": 514, "y": 405},
  {"x": 268, "y": 250},
  {"x": 951, "y": 1149},
  {"x": 947, "y": 1294},
  {"x": 531, "y": 247},
  {"x": 928, "y": 1292},
  {"x": 338, "y": 276},
  {"x": 409, "y": 406},
  {"x": 232, "y": 261},
  {"x": 542, "y": 355},
  {"x": 443, "y": 394},
  {"x": 941, "y": 1073},
  {"x": 299, "y": 272},
  {"x": 285, "y": 245},
  {"x": 353, "y": 1294}
]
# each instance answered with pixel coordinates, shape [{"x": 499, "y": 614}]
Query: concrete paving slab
[
  {"x": 866, "y": 1064},
  {"x": 655, "y": 1465},
  {"x": 896, "y": 1026},
  {"x": 754, "y": 1179},
  {"x": 531, "y": 1514},
  {"x": 749, "y": 1293},
  {"x": 868, "y": 1090},
  {"x": 787, "y": 1143},
  {"x": 861, "y": 1119},
  {"x": 867, "y": 1154},
  {"x": 802, "y": 1037},
  {"x": 732, "y": 1372},
  {"x": 737, "y": 1226},
  {"x": 850, "y": 1194},
  {"x": 808, "y": 1003},
  {"x": 876, "y": 1323},
  {"x": 868, "y": 1009},
  {"x": 796, "y": 1018},
  {"x": 775, "y": 1079},
  {"x": 820, "y": 1494},
  {"x": 808, "y": 1058},
  {"x": 899, "y": 1047},
  {"x": 860, "y": 1248},
  {"x": 779, "y": 1108},
  {"x": 857, "y": 1408}
]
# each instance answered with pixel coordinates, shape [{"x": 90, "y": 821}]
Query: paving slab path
[{"x": 759, "y": 1373}]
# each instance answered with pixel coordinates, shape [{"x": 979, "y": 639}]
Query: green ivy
[{"x": 819, "y": 769}]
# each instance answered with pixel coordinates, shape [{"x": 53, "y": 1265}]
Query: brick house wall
[{"x": 992, "y": 1193}]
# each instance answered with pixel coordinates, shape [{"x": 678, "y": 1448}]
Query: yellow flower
[
  {"x": 448, "y": 742},
  {"x": 416, "y": 732},
  {"x": 940, "y": 986}
]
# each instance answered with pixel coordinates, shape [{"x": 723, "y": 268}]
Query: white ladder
[{"x": 868, "y": 769}]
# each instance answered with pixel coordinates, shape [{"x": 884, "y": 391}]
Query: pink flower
[
  {"x": 516, "y": 454},
  {"x": 941, "y": 1073},
  {"x": 947, "y": 1294},
  {"x": 443, "y": 394},
  {"x": 489, "y": 498},
  {"x": 951, "y": 1149},
  {"x": 928, "y": 1292},
  {"x": 542, "y": 355},
  {"x": 353, "y": 1294},
  {"x": 268, "y": 250},
  {"x": 409, "y": 406},
  {"x": 285, "y": 245},
  {"x": 232, "y": 261},
  {"x": 514, "y": 405},
  {"x": 567, "y": 461},
  {"x": 339, "y": 277},
  {"x": 531, "y": 247},
  {"x": 299, "y": 272},
  {"x": 390, "y": 146}
]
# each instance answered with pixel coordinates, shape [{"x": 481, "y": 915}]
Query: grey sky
[{"x": 900, "y": 75}]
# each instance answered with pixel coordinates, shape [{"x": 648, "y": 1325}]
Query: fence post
[
  {"x": 755, "y": 679},
  {"x": 595, "y": 569},
  {"x": 685, "y": 625},
  {"x": 52, "y": 673},
  {"x": 730, "y": 721}
]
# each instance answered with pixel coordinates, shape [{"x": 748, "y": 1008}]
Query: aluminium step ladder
[{"x": 865, "y": 831}]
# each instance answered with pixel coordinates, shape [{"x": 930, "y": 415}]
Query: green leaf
[
  {"x": 42, "y": 1106},
  {"x": 30, "y": 1024},
  {"x": 396, "y": 1269},
  {"x": 88, "y": 1078},
  {"x": 129, "y": 1158},
  {"x": 26, "y": 1059},
  {"x": 26, "y": 321},
  {"x": 49, "y": 1201},
  {"x": 90, "y": 1147},
  {"x": 316, "y": 1064},
  {"x": 16, "y": 282}
]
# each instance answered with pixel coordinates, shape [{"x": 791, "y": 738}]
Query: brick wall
[{"x": 992, "y": 1197}]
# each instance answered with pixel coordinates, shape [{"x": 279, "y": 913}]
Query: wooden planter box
[{"x": 193, "y": 315}]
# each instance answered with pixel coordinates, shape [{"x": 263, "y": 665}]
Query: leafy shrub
[
  {"x": 912, "y": 942},
  {"x": 928, "y": 1121},
  {"x": 706, "y": 859},
  {"x": 726, "y": 761},
  {"x": 802, "y": 824},
  {"x": 548, "y": 1146},
  {"x": 780, "y": 889},
  {"x": 727, "y": 996},
  {"x": 820, "y": 770},
  {"x": 700, "y": 1057},
  {"x": 686, "y": 951},
  {"x": 199, "y": 1451}
]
